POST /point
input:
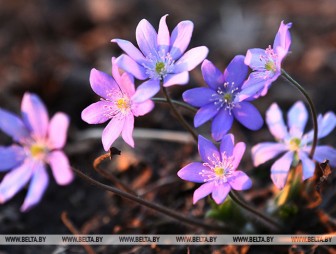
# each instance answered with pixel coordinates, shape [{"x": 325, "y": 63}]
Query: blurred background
[{"x": 49, "y": 47}]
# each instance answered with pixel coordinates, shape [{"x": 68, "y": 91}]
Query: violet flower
[
  {"x": 161, "y": 56},
  {"x": 221, "y": 101},
  {"x": 293, "y": 143},
  {"x": 117, "y": 103},
  {"x": 38, "y": 142},
  {"x": 266, "y": 63},
  {"x": 218, "y": 171}
]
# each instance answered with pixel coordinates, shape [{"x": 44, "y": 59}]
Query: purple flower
[
  {"x": 221, "y": 101},
  {"x": 38, "y": 142},
  {"x": 117, "y": 103},
  {"x": 266, "y": 63},
  {"x": 218, "y": 171},
  {"x": 293, "y": 143},
  {"x": 161, "y": 56}
]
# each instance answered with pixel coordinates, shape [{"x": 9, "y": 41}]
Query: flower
[
  {"x": 221, "y": 101},
  {"x": 161, "y": 56},
  {"x": 293, "y": 142},
  {"x": 117, "y": 103},
  {"x": 266, "y": 63},
  {"x": 38, "y": 142},
  {"x": 218, "y": 172}
]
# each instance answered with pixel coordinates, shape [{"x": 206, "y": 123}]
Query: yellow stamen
[{"x": 219, "y": 171}]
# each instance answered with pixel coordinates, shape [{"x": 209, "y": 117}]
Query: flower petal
[
  {"x": 266, "y": 151},
  {"x": 236, "y": 71},
  {"x": 140, "y": 109},
  {"x": 102, "y": 84},
  {"x": 11, "y": 157},
  {"x": 253, "y": 58},
  {"x": 248, "y": 115},
  {"x": 35, "y": 115},
  {"x": 13, "y": 126},
  {"x": 308, "y": 166},
  {"x": 191, "y": 59},
  {"x": 127, "y": 131},
  {"x": 227, "y": 145},
  {"x": 252, "y": 87},
  {"x": 297, "y": 119},
  {"x": 279, "y": 170},
  {"x": 127, "y": 84},
  {"x": 240, "y": 181},
  {"x": 220, "y": 192},
  {"x": 176, "y": 79},
  {"x": 112, "y": 131},
  {"x": 283, "y": 37},
  {"x": 325, "y": 126},
  {"x": 130, "y": 50},
  {"x": 146, "y": 91},
  {"x": 275, "y": 122},
  {"x": 146, "y": 37},
  {"x": 37, "y": 187},
  {"x": 202, "y": 191},
  {"x": 58, "y": 128},
  {"x": 98, "y": 112},
  {"x": 15, "y": 180},
  {"x": 129, "y": 65},
  {"x": 180, "y": 38},
  {"x": 238, "y": 153},
  {"x": 212, "y": 75},
  {"x": 198, "y": 97},
  {"x": 163, "y": 39},
  {"x": 323, "y": 153},
  {"x": 192, "y": 172},
  {"x": 60, "y": 167},
  {"x": 207, "y": 150},
  {"x": 221, "y": 124},
  {"x": 204, "y": 114}
]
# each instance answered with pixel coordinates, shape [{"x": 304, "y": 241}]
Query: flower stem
[
  {"x": 178, "y": 115},
  {"x": 179, "y": 103},
  {"x": 311, "y": 107}
]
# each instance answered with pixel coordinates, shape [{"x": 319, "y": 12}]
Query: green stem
[
  {"x": 179, "y": 103},
  {"x": 311, "y": 107}
]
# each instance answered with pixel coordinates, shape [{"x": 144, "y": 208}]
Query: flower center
[
  {"x": 38, "y": 151},
  {"x": 160, "y": 68},
  {"x": 159, "y": 65},
  {"x": 294, "y": 144},
  {"x": 123, "y": 104},
  {"x": 224, "y": 96},
  {"x": 219, "y": 171},
  {"x": 270, "y": 66}
]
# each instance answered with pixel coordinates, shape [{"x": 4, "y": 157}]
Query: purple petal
[
  {"x": 58, "y": 128},
  {"x": 129, "y": 65},
  {"x": 191, "y": 59},
  {"x": 236, "y": 71},
  {"x": 248, "y": 115},
  {"x": 202, "y": 191},
  {"x": 35, "y": 115},
  {"x": 146, "y": 37},
  {"x": 146, "y": 90},
  {"x": 130, "y": 50},
  {"x": 37, "y": 187},
  {"x": 325, "y": 126},
  {"x": 102, "y": 84},
  {"x": 220, "y": 192},
  {"x": 212, "y": 75},
  {"x": 275, "y": 122},
  {"x": 140, "y": 109},
  {"x": 98, "y": 112},
  {"x": 297, "y": 119},
  {"x": 15, "y": 180},
  {"x": 180, "y": 38},
  {"x": 221, "y": 124},
  {"x": 323, "y": 153},
  {"x": 198, "y": 97},
  {"x": 227, "y": 145},
  {"x": 238, "y": 153},
  {"x": 60, "y": 167},
  {"x": 283, "y": 37},
  {"x": 11, "y": 157},
  {"x": 266, "y": 151},
  {"x": 163, "y": 39},
  {"x": 279, "y": 170},
  {"x": 308, "y": 166},
  {"x": 207, "y": 150},
  {"x": 112, "y": 131},
  {"x": 204, "y": 114},
  {"x": 176, "y": 79},
  {"x": 192, "y": 172},
  {"x": 254, "y": 58},
  {"x": 13, "y": 126},
  {"x": 252, "y": 87},
  {"x": 240, "y": 181},
  {"x": 127, "y": 131}
]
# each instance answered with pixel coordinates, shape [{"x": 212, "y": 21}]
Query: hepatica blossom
[
  {"x": 117, "y": 104},
  {"x": 161, "y": 56},
  {"x": 266, "y": 63},
  {"x": 218, "y": 171},
  {"x": 221, "y": 101},
  {"x": 293, "y": 143},
  {"x": 38, "y": 142}
]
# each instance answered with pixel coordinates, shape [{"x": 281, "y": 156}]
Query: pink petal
[
  {"x": 220, "y": 192},
  {"x": 180, "y": 38},
  {"x": 58, "y": 128},
  {"x": 275, "y": 122},
  {"x": 98, "y": 112},
  {"x": 130, "y": 50},
  {"x": 112, "y": 131},
  {"x": 283, "y": 38},
  {"x": 127, "y": 131},
  {"x": 13, "y": 126},
  {"x": 176, "y": 79},
  {"x": 240, "y": 181},
  {"x": 60, "y": 167},
  {"x": 146, "y": 37},
  {"x": 238, "y": 153},
  {"x": 266, "y": 151},
  {"x": 102, "y": 84},
  {"x": 163, "y": 39},
  {"x": 127, "y": 84},
  {"x": 140, "y": 109},
  {"x": 191, "y": 59},
  {"x": 202, "y": 191}
]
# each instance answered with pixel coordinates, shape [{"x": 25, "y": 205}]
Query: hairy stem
[{"x": 311, "y": 107}]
